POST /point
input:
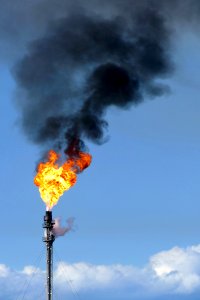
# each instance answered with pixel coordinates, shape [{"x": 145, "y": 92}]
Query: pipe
[{"x": 49, "y": 239}]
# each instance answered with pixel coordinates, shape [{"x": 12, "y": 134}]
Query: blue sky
[{"x": 140, "y": 197}]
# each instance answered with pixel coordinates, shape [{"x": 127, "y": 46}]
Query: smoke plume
[
  {"x": 60, "y": 231},
  {"x": 89, "y": 60}
]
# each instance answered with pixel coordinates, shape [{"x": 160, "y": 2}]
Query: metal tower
[{"x": 49, "y": 239}]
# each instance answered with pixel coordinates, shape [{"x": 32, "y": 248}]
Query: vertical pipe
[{"x": 49, "y": 239}]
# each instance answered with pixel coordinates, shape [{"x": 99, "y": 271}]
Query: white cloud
[
  {"x": 4, "y": 271},
  {"x": 174, "y": 272},
  {"x": 31, "y": 270},
  {"x": 86, "y": 276},
  {"x": 177, "y": 269}
]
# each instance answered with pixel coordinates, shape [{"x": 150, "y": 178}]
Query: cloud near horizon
[{"x": 174, "y": 273}]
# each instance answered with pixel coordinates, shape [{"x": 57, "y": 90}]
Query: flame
[{"x": 54, "y": 179}]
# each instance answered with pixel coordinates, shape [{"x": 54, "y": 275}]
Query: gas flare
[{"x": 54, "y": 179}]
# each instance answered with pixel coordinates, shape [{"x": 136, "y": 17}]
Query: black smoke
[{"x": 86, "y": 63}]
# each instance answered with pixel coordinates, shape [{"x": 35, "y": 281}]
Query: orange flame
[{"x": 53, "y": 180}]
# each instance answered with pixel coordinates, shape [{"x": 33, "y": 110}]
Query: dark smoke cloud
[
  {"x": 22, "y": 21},
  {"x": 88, "y": 56},
  {"x": 84, "y": 64}
]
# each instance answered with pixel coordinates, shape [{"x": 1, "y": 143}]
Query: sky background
[{"x": 137, "y": 201}]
